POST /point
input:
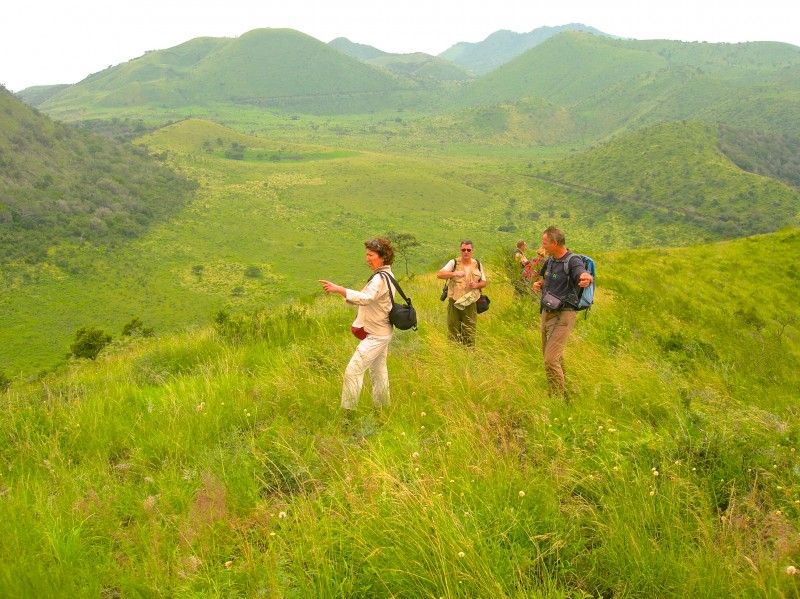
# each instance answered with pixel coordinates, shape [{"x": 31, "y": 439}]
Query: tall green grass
[{"x": 213, "y": 463}]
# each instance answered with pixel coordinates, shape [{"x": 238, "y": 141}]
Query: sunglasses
[{"x": 466, "y": 249}]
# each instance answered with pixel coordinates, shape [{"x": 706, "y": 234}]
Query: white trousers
[{"x": 369, "y": 355}]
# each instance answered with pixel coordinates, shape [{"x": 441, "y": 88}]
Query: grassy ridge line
[{"x": 211, "y": 463}]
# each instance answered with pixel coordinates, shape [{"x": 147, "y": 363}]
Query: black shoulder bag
[{"x": 401, "y": 316}]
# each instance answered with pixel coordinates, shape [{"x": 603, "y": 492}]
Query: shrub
[
  {"x": 5, "y": 382},
  {"x": 136, "y": 328},
  {"x": 89, "y": 341}
]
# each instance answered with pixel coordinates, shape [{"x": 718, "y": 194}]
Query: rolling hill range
[
  {"x": 503, "y": 46},
  {"x": 677, "y": 172},
  {"x": 60, "y": 185},
  {"x": 213, "y": 462},
  {"x": 265, "y": 67},
  {"x": 613, "y": 84}
]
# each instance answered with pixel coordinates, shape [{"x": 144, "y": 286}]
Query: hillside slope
[
  {"x": 35, "y": 95},
  {"x": 676, "y": 172},
  {"x": 60, "y": 185},
  {"x": 213, "y": 462}
]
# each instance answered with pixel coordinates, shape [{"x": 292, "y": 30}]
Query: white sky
[{"x": 63, "y": 41}]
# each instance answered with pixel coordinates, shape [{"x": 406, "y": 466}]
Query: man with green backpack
[{"x": 567, "y": 286}]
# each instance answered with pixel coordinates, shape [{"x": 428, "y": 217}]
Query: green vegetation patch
[{"x": 238, "y": 152}]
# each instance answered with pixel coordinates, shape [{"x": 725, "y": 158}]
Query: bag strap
[{"x": 394, "y": 282}]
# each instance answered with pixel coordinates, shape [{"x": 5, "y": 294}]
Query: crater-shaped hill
[
  {"x": 263, "y": 66},
  {"x": 60, "y": 184},
  {"x": 612, "y": 84},
  {"x": 676, "y": 173}
]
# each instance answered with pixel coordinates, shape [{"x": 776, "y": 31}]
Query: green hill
[
  {"x": 503, "y": 46},
  {"x": 37, "y": 94},
  {"x": 212, "y": 462},
  {"x": 60, "y": 185},
  {"x": 675, "y": 172},
  {"x": 262, "y": 67}
]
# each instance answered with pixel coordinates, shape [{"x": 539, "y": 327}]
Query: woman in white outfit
[{"x": 371, "y": 326}]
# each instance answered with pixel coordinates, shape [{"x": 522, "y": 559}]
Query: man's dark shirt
[{"x": 554, "y": 278}]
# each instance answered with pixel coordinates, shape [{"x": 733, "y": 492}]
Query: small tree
[
  {"x": 403, "y": 244},
  {"x": 88, "y": 342}
]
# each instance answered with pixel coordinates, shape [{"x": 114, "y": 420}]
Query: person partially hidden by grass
[
  {"x": 371, "y": 327},
  {"x": 562, "y": 274},
  {"x": 465, "y": 279}
]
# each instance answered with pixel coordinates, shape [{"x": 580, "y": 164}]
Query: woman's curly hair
[{"x": 382, "y": 247}]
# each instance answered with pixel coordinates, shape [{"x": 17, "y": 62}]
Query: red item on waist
[{"x": 359, "y": 332}]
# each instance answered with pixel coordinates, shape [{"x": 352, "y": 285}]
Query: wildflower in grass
[
  {"x": 652, "y": 492},
  {"x": 281, "y": 514},
  {"x": 423, "y": 414},
  {"x": 415, "y": 455},
  {"x": 272, "y": 534},
  {"x": 792, "y": 571},
  {"x": 461, "y": 554},
  {"x": 522, "y": 493},
  {"x": 449, "y": 443},
  {"x": 229, "y": 564},
  {"x": 201, "y": 406},
  {"x": 655, "y": 473}
]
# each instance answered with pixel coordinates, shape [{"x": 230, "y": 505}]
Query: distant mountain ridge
[
  {"x": 416, "y": 65},
  {"x": 504, "y": 45}
]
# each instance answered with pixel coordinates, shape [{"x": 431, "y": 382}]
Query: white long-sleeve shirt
[{"x": 373, "y": 304}]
